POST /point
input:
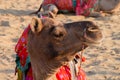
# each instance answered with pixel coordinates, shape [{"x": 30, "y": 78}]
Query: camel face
[
  {"x": 57, "y": 39},
  {"x": 51, "y": 43}
]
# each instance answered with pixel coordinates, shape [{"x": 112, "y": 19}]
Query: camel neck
[{"x": 44, "y": 71}]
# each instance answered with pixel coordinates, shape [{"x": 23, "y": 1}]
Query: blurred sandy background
[{"x": 103, "y": 62}]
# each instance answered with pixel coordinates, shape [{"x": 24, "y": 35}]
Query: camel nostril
[{"x": 92, "y": 29}]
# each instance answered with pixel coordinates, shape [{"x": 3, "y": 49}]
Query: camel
[
  {"x": 109, "y": 6},
  {"x": 106, "y": 6},
  {"x": 52, "y": 44}
]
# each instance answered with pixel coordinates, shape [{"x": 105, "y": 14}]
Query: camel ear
[{"x": 36, "y": 25}]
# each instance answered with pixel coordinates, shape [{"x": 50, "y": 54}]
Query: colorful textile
[
  {"x": 81, "y": 7},
  {"x": 84, "y": 6},
  {"x": 81, "y": 75},
  {"x": 63, "y": 73},
  {"x": 65, "y": 5},
  {"x": 61, "y": 4},
  {"x": 46, "y": 2},
  {"x": 24, "y": 69},
  {"x": 22, "y": 57}
]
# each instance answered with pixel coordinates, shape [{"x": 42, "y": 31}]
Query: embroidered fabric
[{"x": 81, "y": 7}]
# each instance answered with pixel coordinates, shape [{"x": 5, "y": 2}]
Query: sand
[{"x": 102, "y": 62}]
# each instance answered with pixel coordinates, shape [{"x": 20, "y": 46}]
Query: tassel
[{"x": 20, "y": 74}]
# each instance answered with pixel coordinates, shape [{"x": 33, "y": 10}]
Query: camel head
[{"x": 51, "y": 43}]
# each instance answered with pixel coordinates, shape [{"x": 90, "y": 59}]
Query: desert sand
[{"x": 102, "y": 62}]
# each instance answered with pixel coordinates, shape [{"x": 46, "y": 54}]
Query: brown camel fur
[{"x": 52, "y": 44}]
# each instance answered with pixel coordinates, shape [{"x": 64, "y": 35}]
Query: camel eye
[
  {"x": 52, "y": 29},
  {"x": 57, "y": 32},
  {"x": 57, "y": 35}
]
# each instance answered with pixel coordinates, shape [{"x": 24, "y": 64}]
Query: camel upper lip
[{"x": 88, "y": 40}]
